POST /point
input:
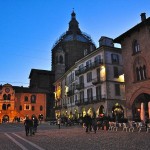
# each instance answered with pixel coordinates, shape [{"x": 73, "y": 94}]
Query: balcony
[
  {"x": 70, "y": 93},
  {"x": 79, "y": 86},
  {"x": 65, "y": 106},
  {"x": 91, "y": 100},
  {"x": 97, "y": 81},
  {"x": 97, "y": 63},
  {"x": 79, "y": 102},
  {"x": 89, "y": 67},
  {"x": 58, "y": 107}
]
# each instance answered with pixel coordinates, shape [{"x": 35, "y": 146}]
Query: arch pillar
[
  {"x": 149, "y": 109},
  {"x": 142, "y": 114}
]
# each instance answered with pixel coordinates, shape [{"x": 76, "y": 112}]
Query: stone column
[
  {"x": 142, "y": 114},
  {"x": 149, "y": 109}
]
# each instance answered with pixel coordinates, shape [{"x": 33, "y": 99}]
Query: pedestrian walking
[
  {"x": 58, "y": 122},
  {"x": 94, "y": 124},
  {"x": 31, "y": 127},
  {"x": 87, "y": 121},
  {"x": 35, "y": 124},
  {"x": 27, "y": 125}
]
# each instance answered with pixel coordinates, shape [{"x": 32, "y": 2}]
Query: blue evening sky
[{"x": 29, "y": 28}]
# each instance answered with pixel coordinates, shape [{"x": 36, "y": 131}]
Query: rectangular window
[
  {"x": 27, "y": 107},
  {"x": 117, "y": 89},
  {"x": 98, "y": 93},
  {"x": 88, "y": 64},
  {"x": 81, "y": 79},
  {"x": 90, "y": 94},
  {"x": 116, "y": 73},
  {"x": 89, "y": 76},
  {"x": 81, "y": 96},
  {"x": 115, "y": 58},
  {"x": 81, "y": 67},
  {"x": 32, "y": 108},
  {"x": 97, "y": 59}
]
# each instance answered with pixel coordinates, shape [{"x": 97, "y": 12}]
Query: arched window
[
  {"x": 144, "y": 72},
  {"x": 140, "y": 69},
  {"x": 137, "y": 74},
  {"x": 41, "y": 108},
  {"x": 25, "y": 98},
  {"x": 8, "y": 106},
  {"x": 4, "y": 107},
  {"x": 33, "y": 108},
  {"x": 20, "y": 107},
  {"x": 33, "y": 99},
  {"x": 57, "y": 60},
  {"x": 141, "y": 72},
  {"x": 9, "y": 97},
  {"x": 136, "y": 47},
  {"x": 61, "y": 59},
  {"x": 5, "y": 97}
]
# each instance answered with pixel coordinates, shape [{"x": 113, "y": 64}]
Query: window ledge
[
  {"x": 141, "y": 80},
  {"x": 136, "y": 53}
]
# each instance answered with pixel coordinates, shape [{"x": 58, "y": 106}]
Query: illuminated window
[{"x": 27, "y": 107}]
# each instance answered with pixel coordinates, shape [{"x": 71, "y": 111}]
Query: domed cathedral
[
  {"x": 71, "y": 46},
  {"x": 135, "y": 52}
]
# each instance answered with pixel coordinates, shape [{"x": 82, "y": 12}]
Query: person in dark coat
[
  {"x": 30, "y": 127},
  {"x": 87, "y": 121},
  {"x": 35, "y": 124},
  {"x": 94, "y": 124},
  {"x": 27, "y": 125}
]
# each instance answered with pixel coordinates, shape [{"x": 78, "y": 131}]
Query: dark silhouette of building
[
  {"x": 71, "y": 46},
  {"x": 44, "y": 79}
]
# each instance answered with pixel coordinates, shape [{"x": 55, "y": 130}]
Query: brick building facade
[
  {"x": 19, "y": 102},
  {"x": 136, "y": 59}
]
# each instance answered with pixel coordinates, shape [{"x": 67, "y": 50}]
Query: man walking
[{"x": 27, "y": 125}]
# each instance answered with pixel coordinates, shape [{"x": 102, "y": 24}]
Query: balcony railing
[
  {"x": 88, "y": 67},
  {"x": 70, "y": 93},
  {"x": 79, "y": 86},
  {"x": 58, "y": 107},
  {"x": 97, "y": 81},
  {"x": 65, "y": 106},
  {"x": 91, "y": 100}
]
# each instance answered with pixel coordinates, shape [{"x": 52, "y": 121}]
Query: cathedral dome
[
  {"x": 73, "y": 44},
  {"x": 73, "y": 33}
]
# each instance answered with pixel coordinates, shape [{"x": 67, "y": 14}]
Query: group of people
[
  {"x": 90, "y": 123},
  {"x": 30, "y": 125}
]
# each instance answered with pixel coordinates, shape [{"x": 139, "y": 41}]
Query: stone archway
[
  {"x": 5, "y": 118},
  {"x": 141, "y": 107},
  {"x": 117, "y": 112}
]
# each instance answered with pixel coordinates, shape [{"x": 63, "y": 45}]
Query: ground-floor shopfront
[{"x": 112, "y": 108}]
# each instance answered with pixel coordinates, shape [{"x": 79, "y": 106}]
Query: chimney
[{"x": 143, "y": 16}]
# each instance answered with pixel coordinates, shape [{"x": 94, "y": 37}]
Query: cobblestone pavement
[{"x": 75, "y": 138}]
